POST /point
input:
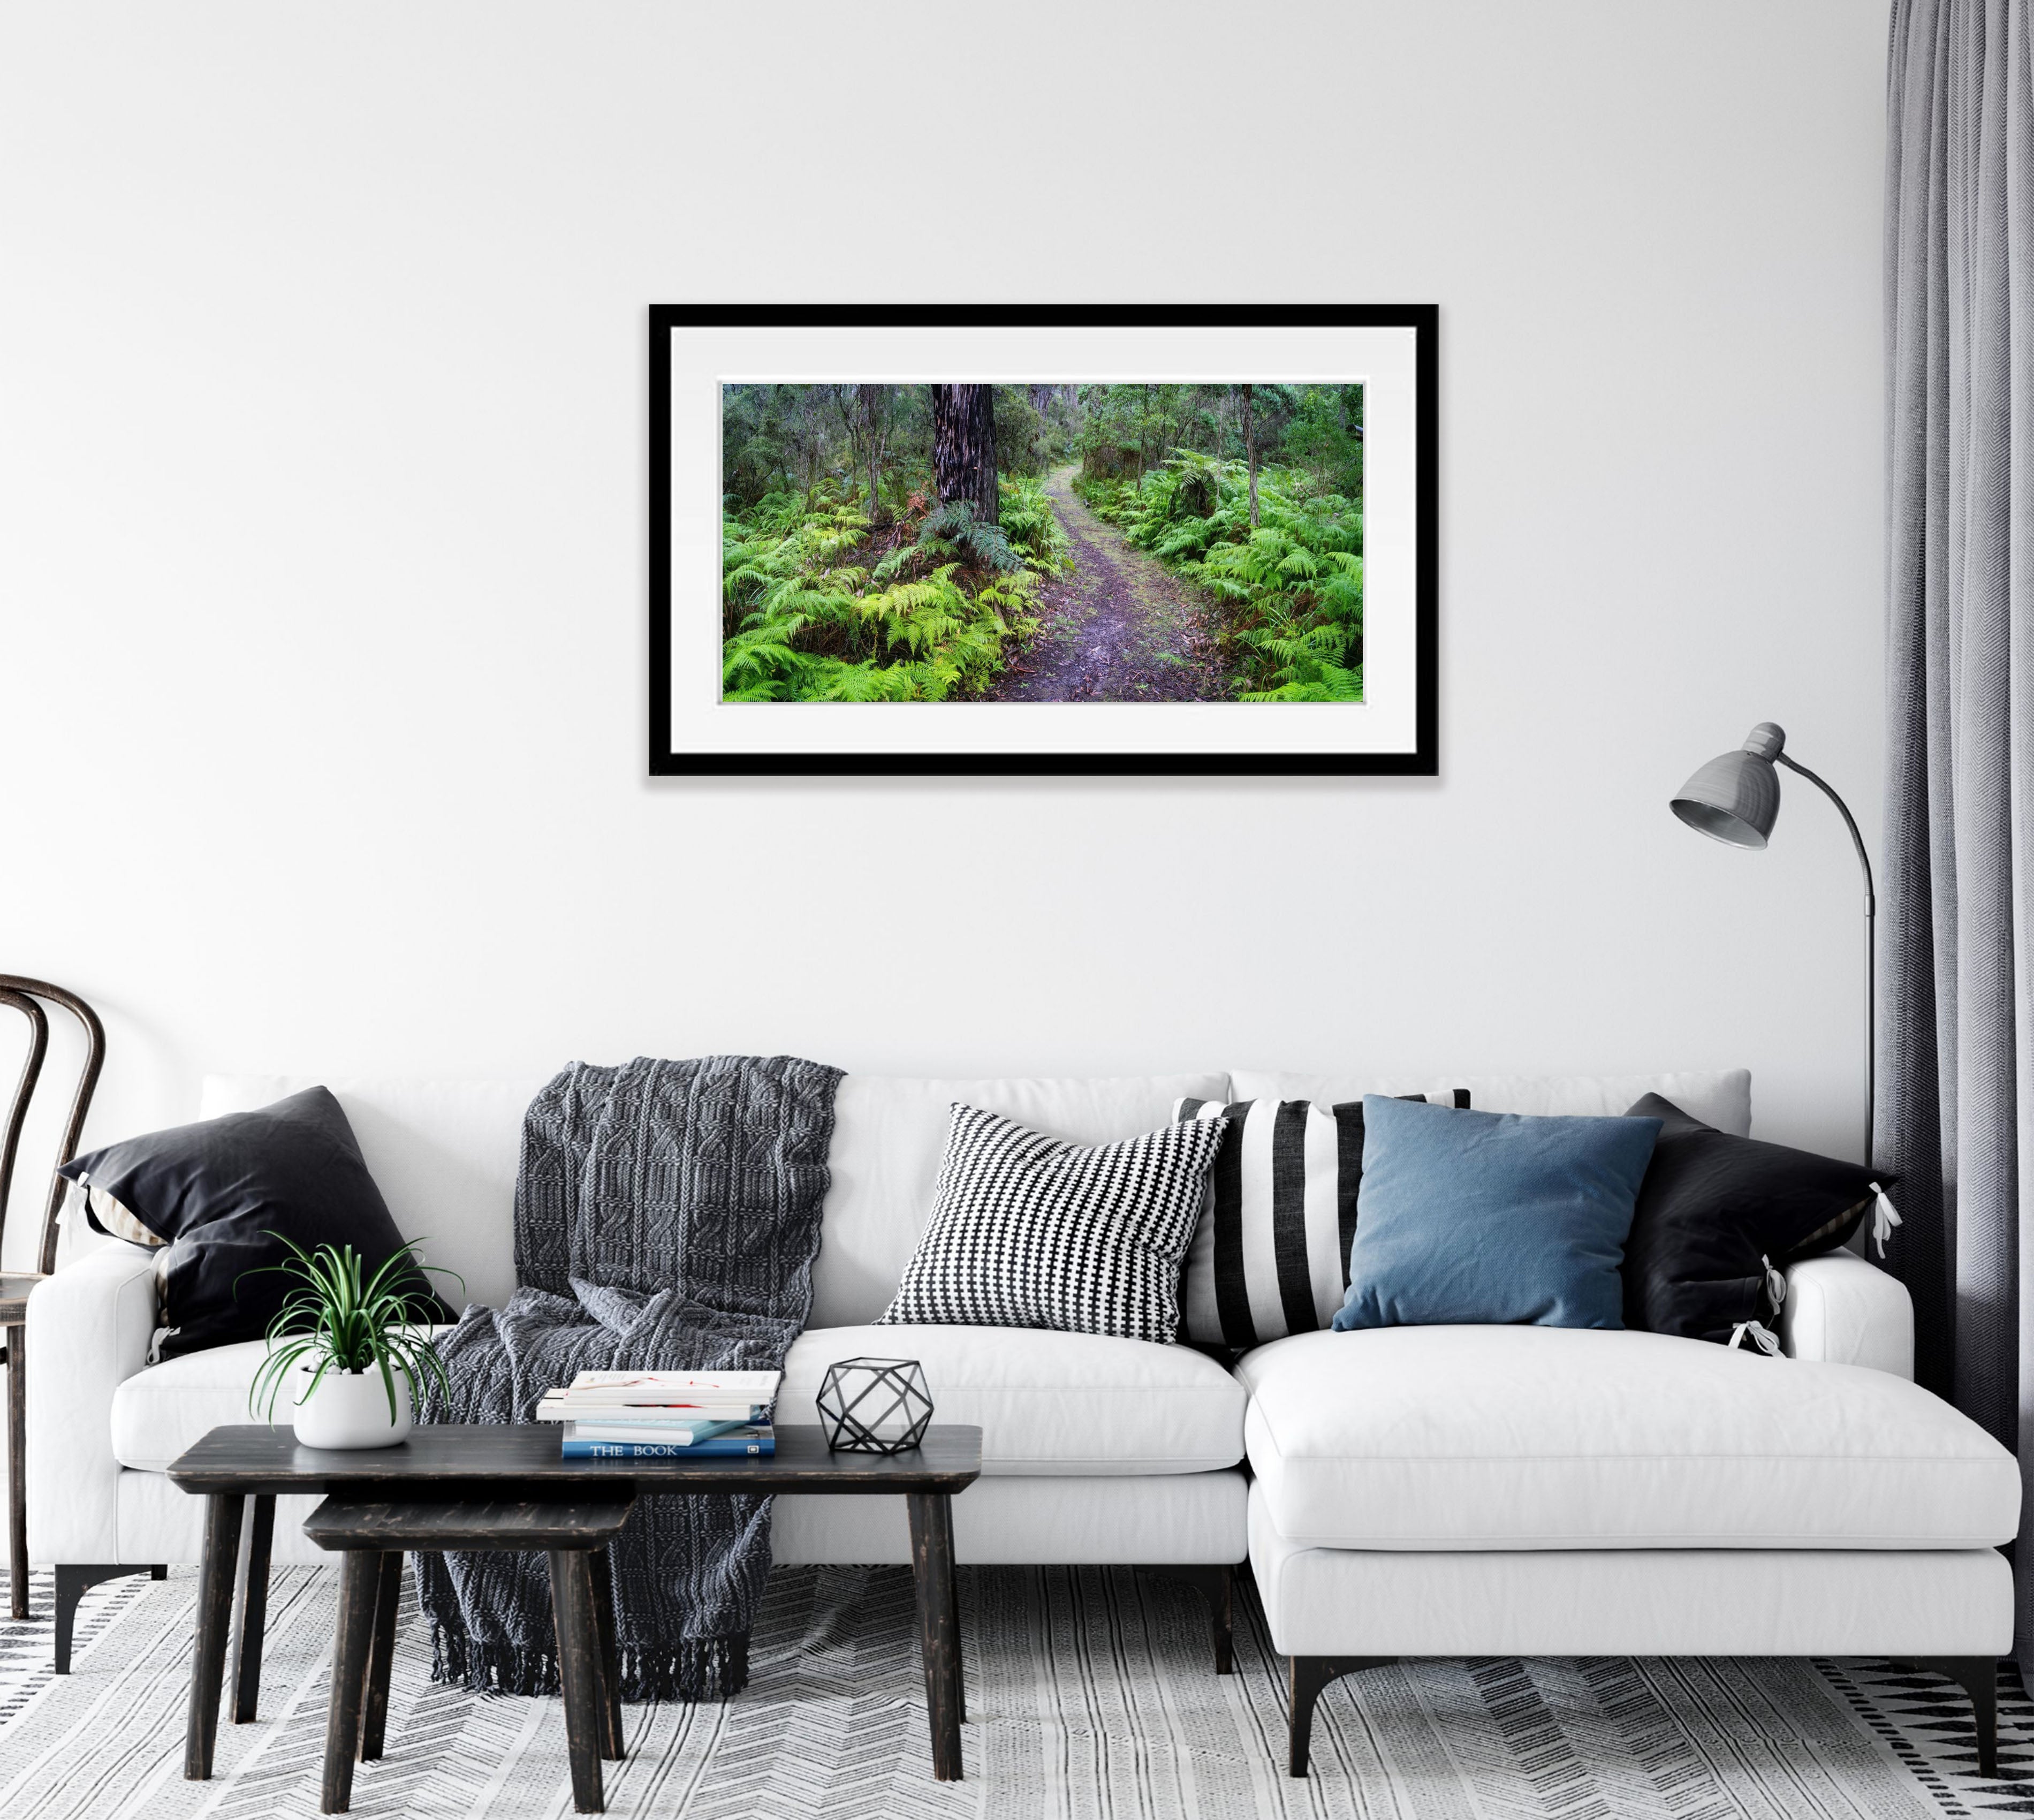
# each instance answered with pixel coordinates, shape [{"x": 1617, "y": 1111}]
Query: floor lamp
[{"x": 1736, "y": 799}]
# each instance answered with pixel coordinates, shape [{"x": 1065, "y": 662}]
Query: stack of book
[{"x": 664, "y": 1415}]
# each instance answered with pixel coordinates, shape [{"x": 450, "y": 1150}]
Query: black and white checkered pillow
[
  {"x": 1270, "y": 1255},
  {"x": 1030, "y": 1231}
]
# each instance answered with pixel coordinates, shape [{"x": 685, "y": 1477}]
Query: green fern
[
  {"x": 930, "y": 620},
  {"x": 953, "y": 530}
]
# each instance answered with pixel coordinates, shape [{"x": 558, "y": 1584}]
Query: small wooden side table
[{"x": 372, "y": 1538}]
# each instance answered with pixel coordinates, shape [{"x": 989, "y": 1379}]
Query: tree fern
[{"x": 952, "y": 529}]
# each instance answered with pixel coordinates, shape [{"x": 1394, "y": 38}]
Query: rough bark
[{"x": 964, "y": 449}]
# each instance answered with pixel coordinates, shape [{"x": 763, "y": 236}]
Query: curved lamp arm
[{"x": 1857, "y": 839}]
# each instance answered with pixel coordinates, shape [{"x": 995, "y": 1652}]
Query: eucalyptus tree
[{"x": 964, "y": 449}]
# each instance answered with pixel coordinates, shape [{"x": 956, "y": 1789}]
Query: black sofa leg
[
  {"x": 1978, "y": 1676},
  {"x": 72, "y": 1582},
  {"x": 1217, "y": 1585},
  {"x": 1306, "y": 1676}
]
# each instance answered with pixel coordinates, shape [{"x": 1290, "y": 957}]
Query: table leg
[
  {"x": 254, "y": 1613},
  {"x": 578, "y": 1669},
  {"x": 359, "y": 1575},
  {"x": 939, "y": 1626},
  {"x": 215, "y": 1619},
  {"x": 388, "y": 1597},
  {"x": 953, "y": 1605},
  {"x": 610, "y": 1653}
]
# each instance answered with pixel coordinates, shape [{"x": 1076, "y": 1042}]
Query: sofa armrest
[
  {"x": 1843, "y": 1311},
  {"x": 89, "y": 1326}
]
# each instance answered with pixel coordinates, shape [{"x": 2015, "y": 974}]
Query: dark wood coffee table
[{"x": 470, "y": 1462}]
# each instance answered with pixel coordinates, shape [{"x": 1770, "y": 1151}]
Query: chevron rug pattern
[{"x": 1089, "y": 1697}]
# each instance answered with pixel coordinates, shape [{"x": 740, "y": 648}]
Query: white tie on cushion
[{"x": 1884, "y": 1217}]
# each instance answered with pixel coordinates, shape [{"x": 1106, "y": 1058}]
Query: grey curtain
[{"x": 1956, "y": 1110}]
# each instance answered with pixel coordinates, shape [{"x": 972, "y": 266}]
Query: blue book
[{"x": 721, "y": 1446}]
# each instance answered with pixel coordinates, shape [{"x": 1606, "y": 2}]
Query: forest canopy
[
  {"x": 901, "y": 542},
  {"x": 792, "y": 438}
]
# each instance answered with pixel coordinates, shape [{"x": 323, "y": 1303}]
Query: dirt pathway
[{"x": 1121, "y": 627}]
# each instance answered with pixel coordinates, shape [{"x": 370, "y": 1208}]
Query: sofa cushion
[
  {"x": 242, "y": 1199},
  {"x": 1270, "y": 1255},
  {"x": 1573, "y": 1438},
  {"x": 1719, "y": 1217},
  {"x": 1469, "y": 1217},
  {"x": 1048, "y": 1404},
  {"x": 160, "y": 1411},
  {"x": 1052, "y": 1404},
  {"x": 1028, "y": 1231},
  {"x": 889, "y": 1132}
]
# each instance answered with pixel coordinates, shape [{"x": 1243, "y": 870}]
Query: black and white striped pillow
[
  {"x": 1270, "y": 1255},
  {"x": 1028, "y": 1231}
]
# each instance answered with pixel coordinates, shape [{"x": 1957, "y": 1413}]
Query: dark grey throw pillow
[
  {"x": 1719, "y": 1217},
  {"x": 220, "y": 1191}
]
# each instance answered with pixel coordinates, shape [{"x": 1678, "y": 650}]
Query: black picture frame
[{"x": 1424, "y": 761}]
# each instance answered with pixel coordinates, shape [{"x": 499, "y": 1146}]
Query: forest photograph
[{"x": 1041, "y": 542}]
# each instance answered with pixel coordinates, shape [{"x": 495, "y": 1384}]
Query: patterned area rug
[{"x": 1089, "y": 1696}]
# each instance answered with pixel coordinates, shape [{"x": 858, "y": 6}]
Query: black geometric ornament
[{"x": 875, "y": 1405}]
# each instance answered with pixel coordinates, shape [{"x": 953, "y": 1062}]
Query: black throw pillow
[
  {"x": 1715, "y": 1212},
  {"x": 220, "y": 1190}
]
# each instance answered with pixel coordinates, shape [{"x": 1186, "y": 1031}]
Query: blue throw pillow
[{"x": 1489, "y": 1218}]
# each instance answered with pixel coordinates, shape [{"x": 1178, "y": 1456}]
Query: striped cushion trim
[{"x": 1270, "y": 1255}]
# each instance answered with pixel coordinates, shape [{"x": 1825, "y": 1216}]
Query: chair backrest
[{"x": 25, "y": 995}]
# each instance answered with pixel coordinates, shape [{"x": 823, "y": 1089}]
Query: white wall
[{"x": 322, "y": 526}]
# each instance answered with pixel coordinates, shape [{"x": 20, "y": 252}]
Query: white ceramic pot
[{"x": 348, "y": 1409}]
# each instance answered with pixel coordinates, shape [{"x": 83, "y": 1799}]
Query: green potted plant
[{"x": 350, "y": 1349}]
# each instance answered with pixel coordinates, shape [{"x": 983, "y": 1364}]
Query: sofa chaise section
[{"x": 1548, "y": 1491}]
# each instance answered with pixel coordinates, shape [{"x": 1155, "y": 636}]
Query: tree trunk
[
  {"x": 871, "y": 400},
  {"x": 1250, "y": 452},
  {"x": 964, "y": 449}
]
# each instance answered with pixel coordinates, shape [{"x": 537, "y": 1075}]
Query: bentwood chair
[{"x": 25, "y": 995}]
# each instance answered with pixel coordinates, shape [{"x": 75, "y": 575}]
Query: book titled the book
[{"x": 719, "y": 1447}]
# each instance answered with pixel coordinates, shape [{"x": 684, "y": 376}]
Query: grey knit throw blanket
[{"x": 667, "y": 1214}]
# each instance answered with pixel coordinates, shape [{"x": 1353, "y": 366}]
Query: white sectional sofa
[{"x": 1417, "y": 1492}]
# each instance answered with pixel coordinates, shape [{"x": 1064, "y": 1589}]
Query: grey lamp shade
[{"x": 1736, "y": 797}]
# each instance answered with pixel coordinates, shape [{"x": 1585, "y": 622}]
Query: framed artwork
[{"x": 1043, "y": 540}]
